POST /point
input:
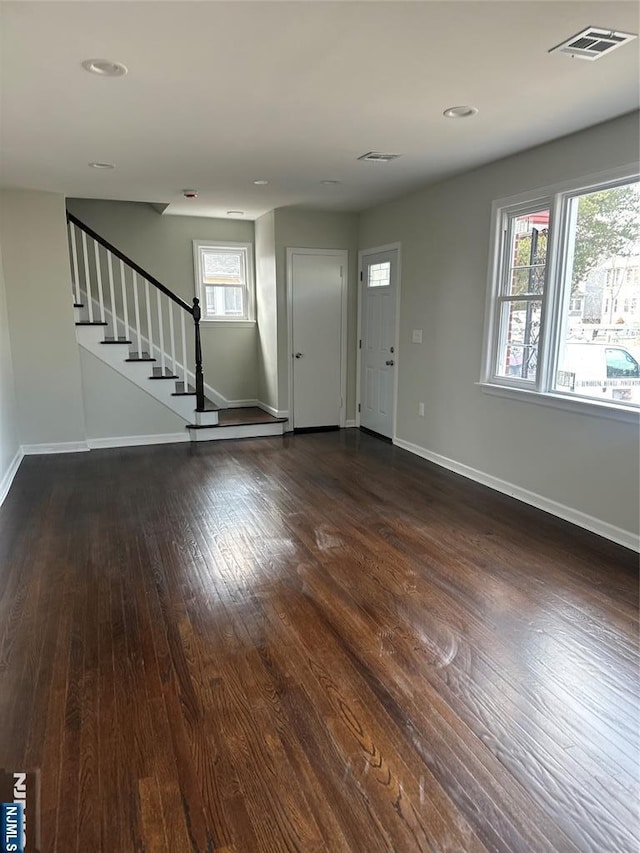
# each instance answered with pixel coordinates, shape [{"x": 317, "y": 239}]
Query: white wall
[
  {"x": 46, "y": 363},
  {"x": 9, "y": 440},
  {"x": 163, "y": 245},
  {"x": 267, "y": 310},
  {"x": 310, "y": 229},
  {"x": 586, "y": 463}
]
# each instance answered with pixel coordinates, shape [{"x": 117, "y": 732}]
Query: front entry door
[
  {"x": 317, "y": 282},
  {"x": 378, "y": 342}
]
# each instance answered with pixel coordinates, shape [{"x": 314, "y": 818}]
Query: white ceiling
[{"x": 222, "y": 93}]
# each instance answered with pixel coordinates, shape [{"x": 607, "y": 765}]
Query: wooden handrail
[{"x": 142, "y": 272}]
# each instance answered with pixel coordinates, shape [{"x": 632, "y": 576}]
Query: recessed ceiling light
[
  {"x": 105, "y": 67},
  {"x": 460, "y": 112},
  {"x": 330, "y": 182},
  {"x": 102, "y": 165},
  {"x": 235, "y": 212},
  {"x": 261, "y": 183},
  {"x": 190, "y": 193}
]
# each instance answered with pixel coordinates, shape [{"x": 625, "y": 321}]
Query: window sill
[
  {"x": 560, "y": 401},
  {"x": 231, "y": 324}
]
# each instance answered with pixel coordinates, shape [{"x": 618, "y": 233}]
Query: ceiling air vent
[
  {"x": 593, "y": 43},
  {"x": 378, "y": 157}
]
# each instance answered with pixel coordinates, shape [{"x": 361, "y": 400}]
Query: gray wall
[
  {"x": 585, "y": 462},
  {"x": 9, "y": 440},
  {"x": 308, "y": 229},
  {"x": 136, "y": 412},
  {"x": 46, "y": 362},
  {"x": 267, "y": 310},
  {"x": 163, "y": 246}
]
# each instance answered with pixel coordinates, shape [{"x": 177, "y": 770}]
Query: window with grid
[
  {"x": 564, "y": 312},
  {"x": 224, "y": 280}
]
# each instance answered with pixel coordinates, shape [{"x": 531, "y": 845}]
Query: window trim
[
  {"x": 558, "y": 197},
  {"x": 233, "y": 321}
]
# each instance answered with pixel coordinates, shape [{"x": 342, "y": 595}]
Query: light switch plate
[{"x": 416, "y": 336}]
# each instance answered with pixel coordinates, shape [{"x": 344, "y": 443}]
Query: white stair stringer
[
  {"x": 153, "y": 349},
  {"x": 91, "y": 337}
]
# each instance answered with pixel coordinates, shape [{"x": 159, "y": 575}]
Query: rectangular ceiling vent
[
  {"x": 378, "y": 157},
  {"x": 593, "y": 43}
]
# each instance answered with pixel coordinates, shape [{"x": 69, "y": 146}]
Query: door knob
[
  {"x": 298, "y": 355},
  {"x": 389, "y": 363}
]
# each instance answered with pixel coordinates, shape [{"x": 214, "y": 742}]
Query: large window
[
  {"x": 224, "y": 280},
  {"x": 564, "y": 312}
]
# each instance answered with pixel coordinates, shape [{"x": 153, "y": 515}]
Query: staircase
[{"x": 141, "y": 329}]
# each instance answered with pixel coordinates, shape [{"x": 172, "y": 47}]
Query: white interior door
[
  {"x": 378, "y": 340},
  {"x": 317, "y": 291}
]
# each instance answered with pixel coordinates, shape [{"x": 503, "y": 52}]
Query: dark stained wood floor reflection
[{"x": 316, "y": 643}]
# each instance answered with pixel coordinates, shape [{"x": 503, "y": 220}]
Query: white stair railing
[{"x": 153, "y": 322}]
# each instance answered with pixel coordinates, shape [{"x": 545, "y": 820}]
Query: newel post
[{"x": 199, "y": 375}]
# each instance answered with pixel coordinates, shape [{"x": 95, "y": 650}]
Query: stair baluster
[
  {"x": 87, "y": 276},
  {"x": 114, "y": 316},
  {"x": 136, "y": 304},
  {"x": 96, "y": 252},
  {"x": 74, "y": 260}
]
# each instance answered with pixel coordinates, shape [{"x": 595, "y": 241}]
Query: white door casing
[
  {"x": 317, "y": 309},
  {"x": 378, "y": 338}
]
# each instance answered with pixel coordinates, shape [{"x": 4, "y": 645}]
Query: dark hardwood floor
[{"x": 311, "y": 643}]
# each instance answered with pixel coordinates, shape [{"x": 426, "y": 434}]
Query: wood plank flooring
[{"x": 311, "y": 643}]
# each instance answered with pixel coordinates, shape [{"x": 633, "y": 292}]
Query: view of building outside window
[
  {"x": 599, "y": 343},
  {"x": 520, "y": 320}
]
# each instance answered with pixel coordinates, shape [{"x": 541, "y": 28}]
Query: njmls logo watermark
[{"x": 19, "y": 812}]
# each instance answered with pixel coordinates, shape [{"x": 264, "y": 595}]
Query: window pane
[
  {"x": 519, "y": 334},
  {"x": 224, "y": 301},
  {"x": 220, "y": 266},
  {"x": 599, "y": 346},
  {"x": 528, "y": 253},
  {"x": 379, "y": 274}
]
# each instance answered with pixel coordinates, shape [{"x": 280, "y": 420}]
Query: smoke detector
[
  {"x": 592, "y": 43},
  {"x": 378, "y": 157}
]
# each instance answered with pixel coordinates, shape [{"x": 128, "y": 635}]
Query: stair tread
[
  {"x": 157, "y": 373},
  {"x": 248, "y": 416},
  {"x": 91, "y": 323},
  {"x": 139, "y": 356},
  {"x": 115, "y": 341}
]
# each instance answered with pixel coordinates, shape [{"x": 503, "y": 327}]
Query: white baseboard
[
  {"x": 350, "y": 424},
  {"x": 277, "y": 413},
  {"x": 241, "y": 404},
  {"x": 137, "y": 440},
  {"x": 10, "y": 473},
  {"x": 57, "y": 447},
  {"x": 581, "y": 519}
]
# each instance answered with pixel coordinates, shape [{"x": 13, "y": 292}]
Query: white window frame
[
  {"x": 248, "y": 319},
  {"x": 557, "y": 198}
]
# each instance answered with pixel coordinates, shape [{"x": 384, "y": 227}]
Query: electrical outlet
[
  {"x": 421, "y": 409},
  {"x": 416, "y": 336}
]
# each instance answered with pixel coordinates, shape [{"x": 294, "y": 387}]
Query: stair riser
[{"x": 238, "y": 431}]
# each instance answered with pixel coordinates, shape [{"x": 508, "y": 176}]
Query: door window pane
[{"x": 379, "y": 274}]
